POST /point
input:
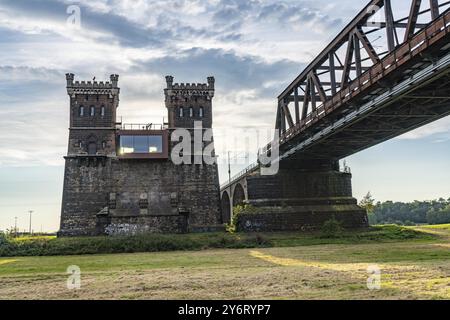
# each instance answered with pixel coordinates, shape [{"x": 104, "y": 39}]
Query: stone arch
[
  {"x": 226, "y": 207},
  {"x": 238, "y": 195}
]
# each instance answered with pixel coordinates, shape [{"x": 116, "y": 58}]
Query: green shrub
[
  {"x": 237, "y": 212},
  {"x": 3, "y": 239},
  {"x": 129, "y": 244},
  {"x": 331, "y": 234},
  {"x": 332, "y": 229},
  {"x": 233, "y": 225},
  {"x": 262, "y": 241}
]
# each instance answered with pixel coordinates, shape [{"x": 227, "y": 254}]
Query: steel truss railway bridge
[{"x": 382, "y": 76}]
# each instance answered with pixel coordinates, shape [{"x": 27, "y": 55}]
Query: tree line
[{"x": 411, "y": 213}]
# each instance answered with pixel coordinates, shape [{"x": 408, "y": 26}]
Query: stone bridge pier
[{"x": 302, "y": 196}]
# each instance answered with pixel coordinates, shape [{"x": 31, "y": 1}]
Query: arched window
[
  {"x": 103, "y": 111},
  {"x": 181, "y": 112},
  {"x": 81, "y": 111},
  {"x": 191, "y": 112},
  {"x": 92, "y": 113},
  {"x": 200, "y": 112},
  {"x": 104, "y": 144}
]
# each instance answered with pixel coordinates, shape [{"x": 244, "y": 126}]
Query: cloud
[
  {"x": 162, "y": 23},
  {"x": 32, "y": 121},
  {"x": 440, "y": 129},
  {"x": 105, "y": 26},
  {"x": 297, "y": 16},
  {"x": 233, "y": 72},
  {"x": 246, "y": 86},
  {"x": 23, "y": 73}
]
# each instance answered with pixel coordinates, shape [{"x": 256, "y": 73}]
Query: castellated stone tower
[
  {"x": 92, "y": 117},
  {"x": 120, "y": 179},
  {"x": 187, "y": 103}
]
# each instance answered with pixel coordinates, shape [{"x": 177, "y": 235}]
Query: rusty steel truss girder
[
  {"x": 400, "y": 113},
  {"x": 310, "y": 91}
]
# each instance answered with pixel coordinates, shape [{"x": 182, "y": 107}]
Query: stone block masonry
[{"x": 295, "y": 199}]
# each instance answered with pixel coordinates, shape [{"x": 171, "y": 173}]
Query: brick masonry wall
[
  {"x": 297, "y": 219},
  {"x": 186, "y": 121},
  {"x": 169, "y": 188},
  {"x": 97, "y": 101},
  {"x": 86, "y": 182},
  {"x": 297, "y": 200},
  {"x": 296, "y": 184},
  {"x": 79, "y": 140},
  {"x": 118, "y": 226},
  {"x": 169, "y": 191}
]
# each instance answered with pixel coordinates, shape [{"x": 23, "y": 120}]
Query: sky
[{"x": 254, "y": 48}]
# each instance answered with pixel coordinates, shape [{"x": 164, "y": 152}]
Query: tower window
[
  {"x": 104, "y": 144},
  {"x": 103, "y": 111},
  {"x": 81, "y": 111},
  {"x": 191, "y": 112},
  {"x": 92, "y": 111},
  {"x": 181, "y": 112},
  {"x": 200, "y": 112},
  {"x": 86, "y": 97}
]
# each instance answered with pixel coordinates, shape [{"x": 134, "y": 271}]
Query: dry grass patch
[{"x": 409, "y": 270}]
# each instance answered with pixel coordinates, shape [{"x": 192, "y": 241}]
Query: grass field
[{"x": 294, "y": 267}]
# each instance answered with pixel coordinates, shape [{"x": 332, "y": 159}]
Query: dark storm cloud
[{"x": 125, "y": 31}]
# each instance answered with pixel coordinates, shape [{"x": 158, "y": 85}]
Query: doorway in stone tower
[{"x": 92, "y": 148}]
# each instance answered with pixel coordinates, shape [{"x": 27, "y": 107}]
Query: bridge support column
[{"x": 302, "y": 199}]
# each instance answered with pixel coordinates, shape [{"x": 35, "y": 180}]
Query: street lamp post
[
  {"x": 31, "y": 211},
  {"x": 229, "y": 168}
]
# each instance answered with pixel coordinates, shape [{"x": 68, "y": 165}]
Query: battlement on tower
[
  {"x": 174, "y": 89},
  {"x": 92, "y": 87}
]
